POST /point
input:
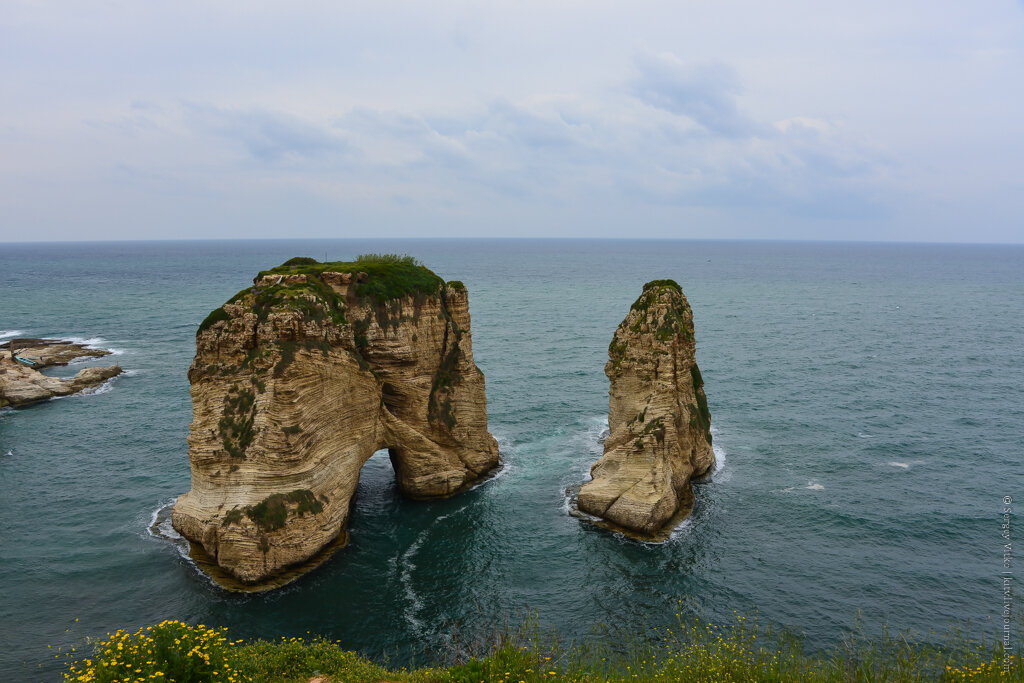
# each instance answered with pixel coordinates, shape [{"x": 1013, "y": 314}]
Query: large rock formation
[
  {"x": 659, "y": 426},
  {"x": 21, "y": 381},
  {"x": 299, "y": 379}
]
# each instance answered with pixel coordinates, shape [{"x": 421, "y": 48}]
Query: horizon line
[{"x": 779, "y": 240}]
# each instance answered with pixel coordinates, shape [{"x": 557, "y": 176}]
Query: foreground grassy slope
[{"x": 692, "y": 651}]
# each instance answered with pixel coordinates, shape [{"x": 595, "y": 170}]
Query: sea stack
[
  {"x": 659, "y": 425},
  {"x": 299, "y": 379}
]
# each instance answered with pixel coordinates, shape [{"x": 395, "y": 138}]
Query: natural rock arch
[{"x": 299, "y": 380}]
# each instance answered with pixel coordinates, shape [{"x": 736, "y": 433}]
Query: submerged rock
[
  {"x": 21, "y": 360},
  {"x": 659, "y": 425},
  {"x": 299, "y": 379}
]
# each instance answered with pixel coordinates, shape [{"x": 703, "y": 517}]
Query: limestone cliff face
[
  {"x": 298, "y": 380},
  {"x": 659, "y": 425}
]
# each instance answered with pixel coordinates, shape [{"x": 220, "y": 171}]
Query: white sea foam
[
  {"x": 92, "y": 343},
  {"x": 719, "y": 473},
  {"x": 590, "y": 441},
  {"x": 9, "y": 333},
  {"x": 904, "y": 465},
  {"x": 88, "y": 391},
  {"x": 682, "y": 529},
  {"x": 504, "y": 469},
  {"x": 88, "y": 342},
  {"x": 415, "y": 601},
  {"x": 593, "y": 435},
  {"x": 504, "y": 466},
  {"x": 566, "y": 507},
  {"x": 811, "y": 486},
  {"x": 97, "y": 390},
  {"x": 504, "y": 441},
  {"x": 102, "y": 388},
  {"x": 160, "y": 528}
]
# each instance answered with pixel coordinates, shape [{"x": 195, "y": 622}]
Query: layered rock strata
[
  {"x": 299, "y": 379},
  {"x": 21, "y": 360},
  {"x": 659, "y": 425}
]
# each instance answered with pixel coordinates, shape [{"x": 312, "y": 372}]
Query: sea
[{"x": 867, "y": 403}]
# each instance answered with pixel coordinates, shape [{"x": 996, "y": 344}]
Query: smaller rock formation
[
  {"x": 21, "y": 360},
  {"x": 659, "y": 424}
]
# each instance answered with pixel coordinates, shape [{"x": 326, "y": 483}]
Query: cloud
[
  {"x": 268, "y": 136},
  {"x": 504, "y": 148},
  {"x": 704, "y": 93},
  {"x": 675, "y": 138},
  {"x": 788, "y": 109},
  {"x": 674, "y": 142}
]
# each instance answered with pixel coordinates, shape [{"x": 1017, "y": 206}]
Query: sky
[{"x": 689, "y": 119}]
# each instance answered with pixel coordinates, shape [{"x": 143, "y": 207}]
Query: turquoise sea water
[{"x": 867, "y": 403}]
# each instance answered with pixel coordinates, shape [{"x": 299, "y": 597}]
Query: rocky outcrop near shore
[
  {"x": 299, "y": 379},
  {"x": 659, "y": 425},
  {"x": 21, "y": 360}
]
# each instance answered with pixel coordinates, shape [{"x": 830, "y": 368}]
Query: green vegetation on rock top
[
  {"x": 216, "y": 315},
  {"x": 299, "y": 261},
  {"x": 389, "y": 276},
  {"x": 663, "y": 283},
  {"x": 403, "y": 259},
  {"x": 651, "y": 291}
]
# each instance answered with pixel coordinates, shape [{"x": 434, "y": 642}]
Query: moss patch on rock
[
  {"x": 701, "y": 412},
  {"x": 272, "y": 512},
  {"x": 439, "y": 405},
  {"x": 655, "y": 427},
  {"x": 235, "y": 425}
]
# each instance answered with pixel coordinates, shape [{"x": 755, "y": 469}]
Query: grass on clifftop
[
  {"x": 390, "y": 276},
  {"x": 650, "y": 293},
  {"x": 691, "y": 650},
  {"x": 658, "y": 284}
]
